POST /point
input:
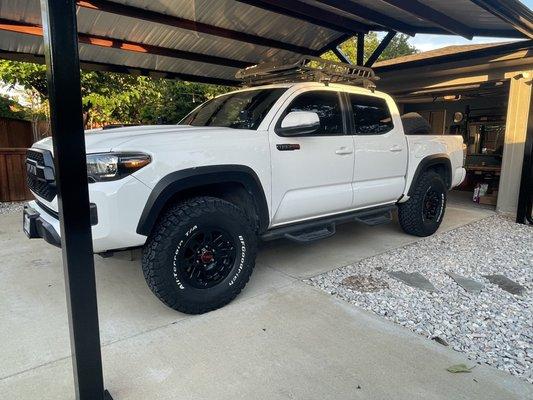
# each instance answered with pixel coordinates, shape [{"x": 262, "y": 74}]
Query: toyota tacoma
[{"x": 286, "y": 160}]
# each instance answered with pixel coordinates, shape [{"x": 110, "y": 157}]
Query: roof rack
[{"x": 307, "y": 69}]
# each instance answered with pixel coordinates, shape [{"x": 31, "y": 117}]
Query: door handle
[
  {"x": 396, "y": 148},
  {"x": 343, "y": 151}
]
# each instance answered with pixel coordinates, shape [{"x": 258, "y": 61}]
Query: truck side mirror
[{"x": 299, "y": 123}]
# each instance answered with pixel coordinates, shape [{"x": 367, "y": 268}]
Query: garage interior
[
  {"x": 474, "y": 91},
  {"x": 478, "y": 114}
]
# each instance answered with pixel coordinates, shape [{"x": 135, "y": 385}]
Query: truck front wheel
[
  {"x": 422, "y": 214},
  {"x": 200, "y": 255}
]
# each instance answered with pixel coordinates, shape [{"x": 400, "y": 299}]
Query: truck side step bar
[
  {"x": 312, "y": 235},
  {"x": 309, "y": 231},
  {"x": 376, "y": 219}
]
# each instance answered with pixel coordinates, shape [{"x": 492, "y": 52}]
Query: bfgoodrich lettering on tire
[
  {"x": 422, "y": 214},
  {"x": 200, "y": 255}
]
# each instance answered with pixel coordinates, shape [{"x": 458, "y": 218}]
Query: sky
[{"x": 430, "y": 42}]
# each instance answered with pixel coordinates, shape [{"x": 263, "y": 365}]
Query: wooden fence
[
  {"x": 15, "y": 133},
  {"x": 13, "y": 175}
]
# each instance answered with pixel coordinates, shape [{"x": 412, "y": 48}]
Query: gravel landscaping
[
  {"x": 490, "y": 326},
  {"x": 11, "y": 208}
]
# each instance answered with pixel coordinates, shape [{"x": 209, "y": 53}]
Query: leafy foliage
[
  {"x": 145, "y": 100},
  {"x": 399, "y": 46},
  {"x": 11, "y": 109},
  {"x": 28, "y": 75},
  {"x": 110, "y": 98}
]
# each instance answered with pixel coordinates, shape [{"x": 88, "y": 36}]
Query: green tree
[
  {"x": 146, "y": 101},
  {"x": 399, "y": 46},
  {"x": 111, "y": 98},
  {"x": 11, "y": 109},
  {"x": 28, "y": 75}
]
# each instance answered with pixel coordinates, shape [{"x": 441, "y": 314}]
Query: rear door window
[{"x": 371, "y": 115}]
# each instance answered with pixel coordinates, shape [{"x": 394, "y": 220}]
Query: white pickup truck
[{"x": 288, "y": 160}]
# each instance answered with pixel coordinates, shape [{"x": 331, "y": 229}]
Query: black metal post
[
  {"x": 360, "y": 49},
  {"x": 341, "y": 55},
  {"x": 525, "y": 197},
  {"x": 63, "y": 73},
  {"x": 379, "y": 50}
]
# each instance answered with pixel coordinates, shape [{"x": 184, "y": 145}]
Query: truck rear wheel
[
  {"x": 200, "y": 255},
  {"x": 422, "y": 214}
]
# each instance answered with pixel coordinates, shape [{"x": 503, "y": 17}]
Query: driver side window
[{"x": 327, "y": 105}]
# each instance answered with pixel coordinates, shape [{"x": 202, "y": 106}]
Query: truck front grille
[{"x": 40, "y": 173}]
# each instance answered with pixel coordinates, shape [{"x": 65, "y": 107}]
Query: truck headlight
[{"x": 103, "y": 167}]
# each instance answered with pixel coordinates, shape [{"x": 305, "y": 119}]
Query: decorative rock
[
  {"x": 470, "y": 285},
  {"x": 489, "y": 327},
  {"x": 413, "y": 279},
  {"x": 506, "y": 284},
  {"x": 11, "y": 208}
]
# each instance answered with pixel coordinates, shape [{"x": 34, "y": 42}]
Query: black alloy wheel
[
  {"x": 207, "y": 257},
  {"x": 432, "y": 204}
]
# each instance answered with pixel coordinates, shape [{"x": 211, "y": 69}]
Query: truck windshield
[{"x": 240, "y": 110}]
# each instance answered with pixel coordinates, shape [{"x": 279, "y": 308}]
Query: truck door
[
  {"x": 312, "y": 174},
  {"x": 380, "y": 150}
]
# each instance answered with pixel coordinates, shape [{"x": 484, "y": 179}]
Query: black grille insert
[{"x": 40, "y": 173}]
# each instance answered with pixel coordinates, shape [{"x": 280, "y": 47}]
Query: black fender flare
[
  {"x": 178, "y": 181},
  {"x": 429, "y": 161}
]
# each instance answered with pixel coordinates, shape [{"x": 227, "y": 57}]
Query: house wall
[{"x": 515, "y": 138}]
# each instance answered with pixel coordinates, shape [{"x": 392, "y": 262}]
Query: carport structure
[{"x": 196, "y": 40}]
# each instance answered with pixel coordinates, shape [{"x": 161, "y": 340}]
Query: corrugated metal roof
[{"x": 240, "y": 16}]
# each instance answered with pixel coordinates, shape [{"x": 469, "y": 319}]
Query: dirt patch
[{"x": 364, "y": 283}]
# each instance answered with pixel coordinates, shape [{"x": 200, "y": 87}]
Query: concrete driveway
[{"x": 281, "y": 338}]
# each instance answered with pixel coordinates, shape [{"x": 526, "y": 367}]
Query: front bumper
[
  {"x": 119, "y": 205},
  {"x": 41, "y": 222},
  {"x": 35, "y": 226}
]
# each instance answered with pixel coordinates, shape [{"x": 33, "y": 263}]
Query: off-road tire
[
  {"x": 411, "y": 213},
  {"x": 162, "y": 271},
  {"x": 414, "y": 124}
]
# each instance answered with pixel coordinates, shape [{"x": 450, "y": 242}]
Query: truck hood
[{"x": 103, "y": 140}]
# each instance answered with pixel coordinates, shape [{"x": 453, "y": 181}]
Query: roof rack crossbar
[{"x": 307, "y": 69}]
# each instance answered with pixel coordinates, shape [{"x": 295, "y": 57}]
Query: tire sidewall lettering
[
  {"x": 441, "y": 211},
  {"x": 179, "y": 284},
  {"x": 241, "y": 262},
  {"x": 175, "y": 266}
]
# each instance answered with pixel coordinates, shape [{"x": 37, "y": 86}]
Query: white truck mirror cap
[{"x": 297, "y": 119}]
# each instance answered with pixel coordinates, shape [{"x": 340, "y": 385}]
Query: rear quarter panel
[{"x": 422, "y": 146}]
